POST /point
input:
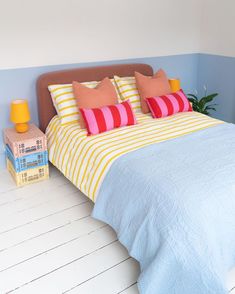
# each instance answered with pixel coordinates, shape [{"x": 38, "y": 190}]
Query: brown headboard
[{"x": 46, "y": 110}]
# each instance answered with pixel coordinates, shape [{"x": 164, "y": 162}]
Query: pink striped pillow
[
  {"x": 99, "y": 120},
  {"x": 166, "y": 105}
]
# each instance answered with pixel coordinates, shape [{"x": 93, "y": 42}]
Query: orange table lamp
[
  {"x": 20, "y": 115},
  {"x": 175, "y": 85}
]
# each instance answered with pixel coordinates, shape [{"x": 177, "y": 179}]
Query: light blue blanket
[{"x": 172, "y": 205}]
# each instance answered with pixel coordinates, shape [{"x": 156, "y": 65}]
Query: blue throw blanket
[{"x": 172, "y": 205}]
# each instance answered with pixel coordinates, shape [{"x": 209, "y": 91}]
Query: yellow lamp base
[
  {"x": 22, "y": 127},
  {"x": 174, "y": 84}
]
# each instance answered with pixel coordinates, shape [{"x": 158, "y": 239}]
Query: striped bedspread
[{"x": 85, "y": 160}]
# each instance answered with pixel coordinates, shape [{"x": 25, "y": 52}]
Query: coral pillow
[
  {"x": 103, "y": 94},
  {"x": 99, "y": 120},
  {"x": 169, "y": 104},
  {"x": 151, "y": 86}
]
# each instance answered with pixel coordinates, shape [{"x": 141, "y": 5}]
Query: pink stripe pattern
[
  {"x": 161, "y": 108},
  {"x": 174, "y": 102},
  {"x": 123, "y": 114},
  {"x": 92, "y": 121},
  {"x": 106, "y": 118},
  {"x": 185, "y": 100}
]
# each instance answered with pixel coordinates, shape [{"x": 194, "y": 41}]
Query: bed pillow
[
  {"x": 128, "y": 91},
  {"x": 166, "y": 105},
  {"x": 65, "y": 103},
  {"x": 156, "y": 85},
  {"x": 103, "y": 94},
  {"x": 99, "y": 120}
]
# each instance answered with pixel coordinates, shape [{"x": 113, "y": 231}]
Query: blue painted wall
[
  {"x": 195, "y": 71},
  {"x": 218, "y": 74},
  {"x": 20, "y": 83}
]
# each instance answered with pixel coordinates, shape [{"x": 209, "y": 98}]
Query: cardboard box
[{"x": 28, "y": 176}]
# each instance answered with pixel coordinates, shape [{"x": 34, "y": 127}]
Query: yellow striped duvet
[{"x": 86, "y": 160}]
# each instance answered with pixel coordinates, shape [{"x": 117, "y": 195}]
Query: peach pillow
[
  {"x": 156, "y": 85},
  {"x": 102, "y": 95}
]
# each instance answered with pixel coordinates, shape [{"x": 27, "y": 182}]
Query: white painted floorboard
[{"x": 49, "y": 243}]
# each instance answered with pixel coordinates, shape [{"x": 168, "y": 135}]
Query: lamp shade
[
  {"x": 175, "y": 85},
  {"x": 19, "y": 111}
]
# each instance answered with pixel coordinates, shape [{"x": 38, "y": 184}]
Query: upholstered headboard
[{"x": 46, "y": 110}]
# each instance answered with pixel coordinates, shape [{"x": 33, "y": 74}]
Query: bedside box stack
[{"x": 26, "y": 155}]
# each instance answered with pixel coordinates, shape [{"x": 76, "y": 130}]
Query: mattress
[{"x": 85, "y": 160}]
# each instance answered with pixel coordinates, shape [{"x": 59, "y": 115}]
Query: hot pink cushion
[
  {"x": 99, "y": 120},
  {"x": 166, "y": 105}
]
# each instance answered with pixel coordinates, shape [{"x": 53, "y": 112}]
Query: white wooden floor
[{"x": 50, "y": 244}]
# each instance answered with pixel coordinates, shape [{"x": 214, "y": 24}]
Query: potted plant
[{"x": 201, "y": 104}]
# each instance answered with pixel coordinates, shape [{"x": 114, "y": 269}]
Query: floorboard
[
  {"x": 131, "y": 289},
  {"x": 78, "y": 271},
  {"x": 119, "y": 277},
  {"x": 50, "y": 244},
  {"x": 43, "y": 226},
  {"x": 52, "y": 240}
]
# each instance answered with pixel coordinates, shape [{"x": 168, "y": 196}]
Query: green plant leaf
[
  {"x": 193, "y": 100},
  {"x": 204, "y": 100},
  {"x": 210, "y": 108},
  {"x": 196, "y": 108},
  {"x": 205, "y": 112},
  {"x": 200, "y": 105},
  {"x": 193, "y": 96}
]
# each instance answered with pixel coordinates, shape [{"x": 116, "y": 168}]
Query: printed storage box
[
  {"x": 28, "y": 176},
  {"x": 22, "y": 144},
  {"x": 28, "y": 161},
  {"x": 26, "y": 155}
]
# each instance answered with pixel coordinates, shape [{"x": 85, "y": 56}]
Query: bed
[{"x": 166, "y": 186}]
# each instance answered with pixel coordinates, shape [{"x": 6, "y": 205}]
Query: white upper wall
[
  {"x": 217, "y": 27},
  {"x": 34, "y": 33}
]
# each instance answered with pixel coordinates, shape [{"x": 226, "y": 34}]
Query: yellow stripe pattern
[
  {"x": 65, "y": 102},
  {"x": 85, "y": 160},
  {"x": 128, "y": 90}
]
